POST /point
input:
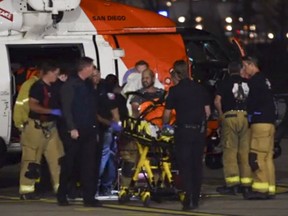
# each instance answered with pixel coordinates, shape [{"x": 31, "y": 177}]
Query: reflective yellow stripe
[
  {"x": 25, "y": 100},
  {"x": 19, "y": 103},
  {"x": 272, "y": 189},
  {"x": 22, "y": 102},
  {"x": 260, "y": 186},
  {"x": 27, "y": 188},
  {"x": 246, "y": 180},
  {"x": 55, "y": 187},
  {"x": 232, "y": 180}
]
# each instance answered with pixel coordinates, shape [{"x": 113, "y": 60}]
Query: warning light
[{"x": 163, "y": 13}]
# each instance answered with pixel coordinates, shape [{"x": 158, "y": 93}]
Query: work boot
[
  {"x": 62, "y": 200},
  {"x": 244, "y": 190},
  {"x": 29, "y": 196},
  {"x": 225, "y": 190},
  {"x": 93, "y": 203},
  {"x": 271, "y": 196},
  {"x": 255, "y": 195},
  {"x": 187, "y": 203}
]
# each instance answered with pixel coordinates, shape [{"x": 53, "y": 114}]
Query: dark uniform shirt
[
  {"x": 56, "y": 87},
  {"x": 78, "y": 103},
  {"x": 109, "y": 101},
  {"x": 42, "y": 93},
  {"x": 234, "y": 92},
  {"x": 188, "y": 98},
  {"x": 122, "y": 107},
  {"x": 260, "y": 101},
  {"x": 100, "y": 90}
]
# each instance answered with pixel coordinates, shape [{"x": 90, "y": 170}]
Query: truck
[{"x": 113, "y": 34}]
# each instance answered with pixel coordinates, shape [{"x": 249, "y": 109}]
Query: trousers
[
  {"x": 189, "y": 149},
  {"x": 34, "y": 145},
  {"x": 107, "y": 160},
  {"x": 235, "y": 141},
  {"x": 261, "y": 157},
  {"x": 85, "y": 153}
]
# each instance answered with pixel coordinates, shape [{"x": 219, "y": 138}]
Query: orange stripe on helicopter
[
  {"x": 112, "y": 17},
  {"x": 136, "y": 31}
]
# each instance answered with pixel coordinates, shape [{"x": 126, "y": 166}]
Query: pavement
[{"x": 212, "y": 203}]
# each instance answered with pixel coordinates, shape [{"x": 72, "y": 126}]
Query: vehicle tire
[
  {"x": 12, "y": 158},
  {"x": 3, "y": 150}
]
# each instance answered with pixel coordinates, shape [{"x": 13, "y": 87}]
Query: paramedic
[
  {"x": 140, "y": 66},
  {"x": 191, "y": 103},
  {"x": 109, "y": 125}
]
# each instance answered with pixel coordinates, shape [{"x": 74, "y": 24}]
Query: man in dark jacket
[{"x": 79, "y": 112}]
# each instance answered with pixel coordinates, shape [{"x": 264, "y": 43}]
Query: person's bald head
[{"x": 147, "y": 78}]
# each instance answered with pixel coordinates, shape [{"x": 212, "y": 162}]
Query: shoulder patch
[{"x": 111, "y": 96}]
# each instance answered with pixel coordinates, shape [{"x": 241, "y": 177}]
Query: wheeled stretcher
[{"x": 154, "y": 148}]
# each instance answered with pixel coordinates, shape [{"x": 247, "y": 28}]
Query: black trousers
[
  {"x": 66, "y": 140},
  {"x": 84, "y": 153},
  {"x": 189, "y": 151}
]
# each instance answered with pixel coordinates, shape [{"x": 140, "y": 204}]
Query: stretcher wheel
[
  {"x": 181, "y": 196},
  {"x": 123, "y": 196},
  {"x": 146, "y": 198}
]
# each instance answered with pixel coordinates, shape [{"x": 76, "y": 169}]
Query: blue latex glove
[
  {"x": 56, "y": 112},
  {"x": 116, "y": 126},
  {"x": 168, "y": 129}
]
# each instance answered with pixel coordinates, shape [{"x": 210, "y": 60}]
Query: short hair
[
  {"x": 111, "y": 79},
  {"x": 250, "y": 59},
  {"x": 180, "y": 68},
  {"x": 84, "y": 62},
  {"x": 48, "y": 65},
  {"x": 141, "y": 62},
  {"x": 234, "y": 67}
]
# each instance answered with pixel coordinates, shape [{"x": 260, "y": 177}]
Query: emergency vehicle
[{"x": 114, "y": 35}]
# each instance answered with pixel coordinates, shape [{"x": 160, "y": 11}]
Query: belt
[
  {"x": 238, "y": 110},
  {"x": 45, "y": 127},
  {"x": 231, "y": 115},
  {"x": 189, "y": 126},
  {"x": 49, "y": 124}
]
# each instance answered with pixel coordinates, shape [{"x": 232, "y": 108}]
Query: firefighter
[
  {"x": 230, "y": 102},
  {"x": 191, "y": 103},
  {"x": 262, "y": 116},
  {"x": 39, "y": 136}
]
